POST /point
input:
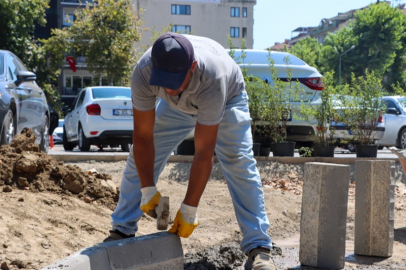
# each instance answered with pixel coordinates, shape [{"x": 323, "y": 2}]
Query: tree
[
  {"x": 378, "y": 32},
  {"x": 105, "y": 34},
  {"x": 309, "y": 50},
  {"x": 17, "y": 24}
]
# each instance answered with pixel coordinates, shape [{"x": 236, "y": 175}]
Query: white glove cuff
[
  {"x": 189, "y": 213},
  {"x": 147, "y": 194}
]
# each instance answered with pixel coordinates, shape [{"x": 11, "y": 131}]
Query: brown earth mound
[{"x": 23, "y": 165}]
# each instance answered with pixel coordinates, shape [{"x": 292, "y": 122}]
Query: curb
[
  {"x": 188, "y": 159},
  {"x": 160, "y": 250}
]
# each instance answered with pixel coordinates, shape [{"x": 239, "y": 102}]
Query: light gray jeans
[{"x": 234, "y": 152}]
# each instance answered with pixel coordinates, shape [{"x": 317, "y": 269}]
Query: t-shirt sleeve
[
  {"x": 143, "y": 98},
  {"x": 211, "y": 102}
]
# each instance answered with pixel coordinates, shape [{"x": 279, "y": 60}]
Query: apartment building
[{"x": 216, "y": 19}]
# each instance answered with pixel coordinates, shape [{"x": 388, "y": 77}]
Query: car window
[
  {"x": 1, "y": 63},
  {"x": 111, "y": 92},
  {"x": 389, "y": 104},
  {"x": 81, "y": 98},
  {"x": 20, "y": 63},
  {"x": 12, "y": 67},
  {"x": 402, "y": 103}
]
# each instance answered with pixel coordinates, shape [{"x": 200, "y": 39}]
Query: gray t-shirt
[{"x": 216, "y": 79}]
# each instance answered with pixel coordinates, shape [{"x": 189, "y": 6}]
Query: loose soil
[{"x": 51, "y": 209}]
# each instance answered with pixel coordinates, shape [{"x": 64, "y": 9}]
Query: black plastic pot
[
  {"x": 256, "y": 147},
  {"x": 265, "y": 151},
  {"x": 283, "y": 149},
  {"x": 324, "y": 151},
  {"x": 367, "y": 151}
]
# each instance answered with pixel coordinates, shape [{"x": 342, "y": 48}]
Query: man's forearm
[
  {"x": 144, "y": 158},
  {"x": 199, "y": 175}
]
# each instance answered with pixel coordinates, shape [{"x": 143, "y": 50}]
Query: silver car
[
  {"x": 22, "y": 102},
  {"x": 395, "y": 122}
]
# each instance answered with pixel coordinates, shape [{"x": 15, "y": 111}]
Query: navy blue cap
[{"x": 172, "y": 56}]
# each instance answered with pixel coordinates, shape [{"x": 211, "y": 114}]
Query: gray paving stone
[
  {"x": 374, "y": 208},
  {"x": 324, "y": 214}
]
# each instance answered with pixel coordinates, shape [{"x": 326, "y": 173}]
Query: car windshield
[
  {"x": 60, "y": 123},
  {"x": 402, "y": 102},
  {"x": 111, "y": 92},
  {"x": 1, "y": 63}
]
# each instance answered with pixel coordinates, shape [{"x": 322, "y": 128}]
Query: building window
[
  {"x": 68, "y": 19},
  {"x": 181, "y": 9},
  {"x": 244, "y": 12},
  {"x": 235, "y": 32},
  {"x": 235, "y": 12},
  {"x": 244, "y": 32},
  {"x": 184, "y": 29}
]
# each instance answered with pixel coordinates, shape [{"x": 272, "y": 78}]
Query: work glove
[
  {"x": 185, "y": 221},
  {"x": 149, "y": 200}
]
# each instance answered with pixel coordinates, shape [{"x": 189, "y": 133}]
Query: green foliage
[
  {"x": 306, "y": 151},
  {"x": 378, "y": 32},
  {"x": 279, "y": 96},
  {"x": 322, "y": 112},
  {"x": 309, "y": 50},
  {"x": 105, "y": 34},
  {"x": 17, "y": 24},
  {"x": 362, "y": 106}
]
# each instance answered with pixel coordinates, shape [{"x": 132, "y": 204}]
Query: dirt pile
[{"x": 24, "y": 166}]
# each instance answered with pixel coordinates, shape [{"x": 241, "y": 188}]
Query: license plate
[{"x": 124, "y": 112}]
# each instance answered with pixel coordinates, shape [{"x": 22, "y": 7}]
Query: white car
[
  {"x": 395, "y": 122},
  {"x": 100, "y": 116},
  {"x": 57, "y": 135},
  {"x": 303, "y": 77}
]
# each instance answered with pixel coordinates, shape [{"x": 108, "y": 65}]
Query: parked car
[
  {"x": 99, "y": 116},
  {"x": 395, "y": 122},
  {"x": 303, "y": 77},
  {"x": 22, "y": 102},
  {"x": 57, "y": 135}
]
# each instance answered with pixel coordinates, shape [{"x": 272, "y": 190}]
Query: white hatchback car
[{"x": 99, "y": 116}]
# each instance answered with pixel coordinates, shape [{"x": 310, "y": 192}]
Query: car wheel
[
  {"x": 125, "y": 147},
  {"x": 66, "y": 145},
  {"x": 7, "y": 129},
  {"x": 84, "y": 142},
  {"x": 402, "y": 139},
  {"x": 44, "y": 144}
]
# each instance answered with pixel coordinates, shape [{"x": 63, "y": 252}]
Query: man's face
[{"x": 184, "y": 84}]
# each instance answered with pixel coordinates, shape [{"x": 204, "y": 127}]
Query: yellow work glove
[
  {"x": 149, "y": 200},
  {"x": 185, "y": 221}
]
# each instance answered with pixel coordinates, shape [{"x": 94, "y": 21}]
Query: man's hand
[
  {"x": 185, "y": 221},
  {"x": 149, "y": 200}
]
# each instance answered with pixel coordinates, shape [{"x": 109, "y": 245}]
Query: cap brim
[{"x": 168, "y": 80}]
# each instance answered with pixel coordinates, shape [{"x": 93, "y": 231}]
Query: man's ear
[{"x": 194, "y": 66}]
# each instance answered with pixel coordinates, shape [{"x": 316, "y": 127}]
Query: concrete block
[
  {"x": 374, "y": 207},
  {"x": 159, "y": 251},
  {"x": 324, "y": 214},
  {"x": 85, "y": 259}
]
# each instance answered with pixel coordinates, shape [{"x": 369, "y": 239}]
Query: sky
[{"x": 274, "y": 20}]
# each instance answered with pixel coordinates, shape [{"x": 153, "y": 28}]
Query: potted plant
[
  {"x": 255, "y": 88},
  {"x": 362, "y": 103},
  {"x": 278, "y": 96},
  {"x": 322, "y": 114}
]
